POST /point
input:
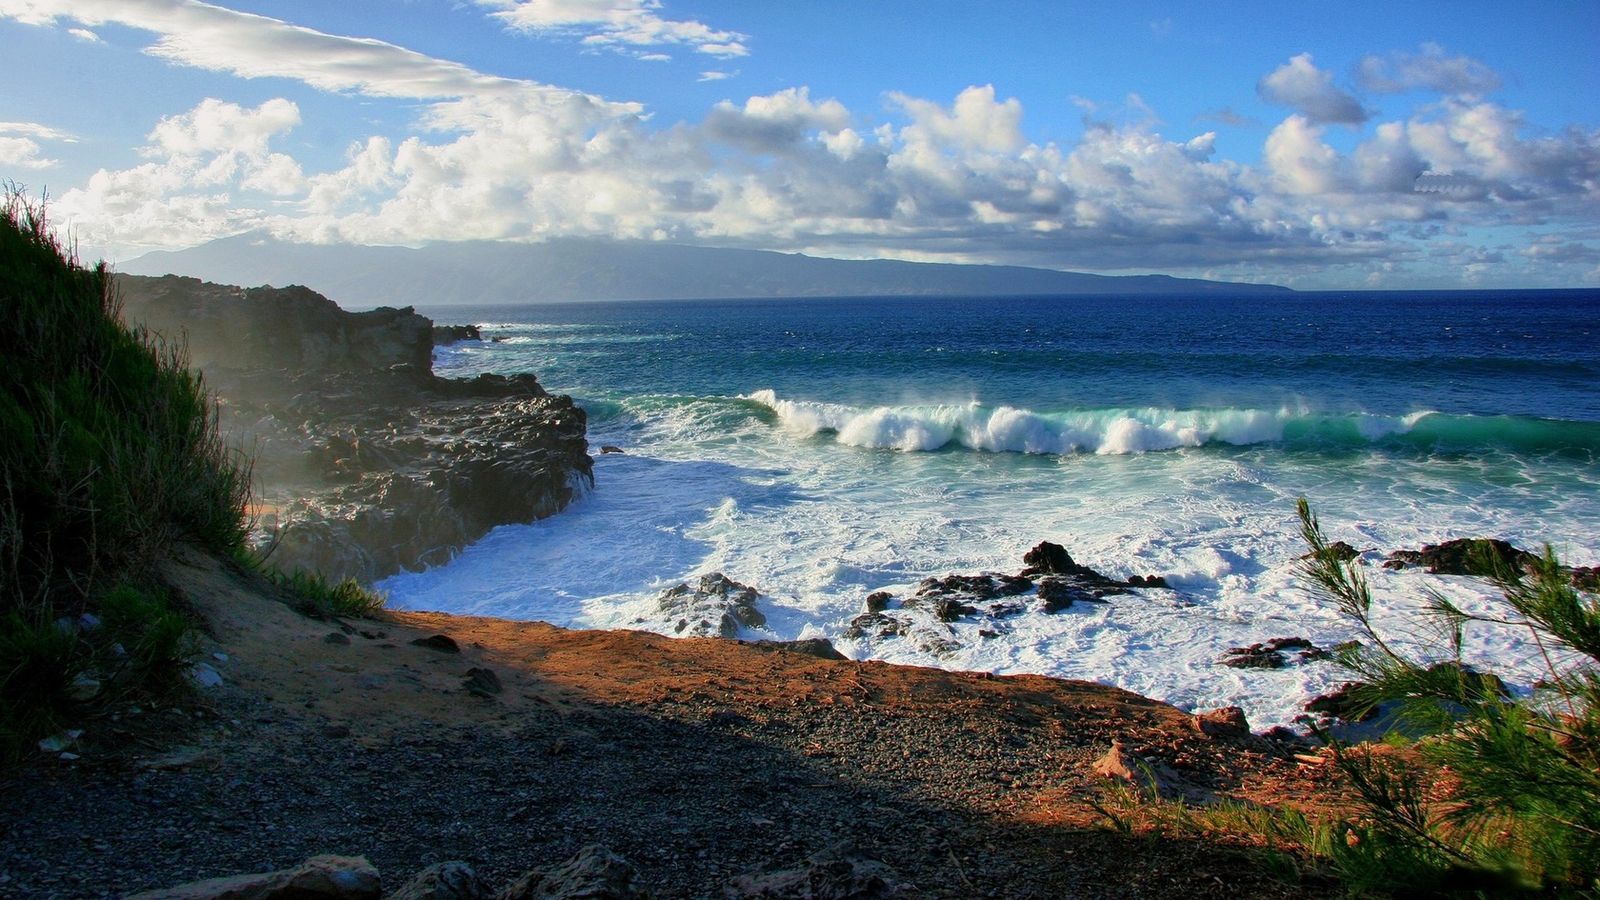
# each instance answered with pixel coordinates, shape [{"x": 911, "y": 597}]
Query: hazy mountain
[{"x": 599, "y": 269}]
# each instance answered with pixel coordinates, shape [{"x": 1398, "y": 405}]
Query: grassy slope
[{"x": 109, "y": 453}]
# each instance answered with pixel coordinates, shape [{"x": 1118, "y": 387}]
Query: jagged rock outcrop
[
  {"x": 367, "y": 463},
  {"x": 716, "y": 607}
]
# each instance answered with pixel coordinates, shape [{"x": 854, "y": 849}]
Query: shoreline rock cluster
[
  {"x": 1050, "y": 580},
  {"x": 367, "y": 463}
]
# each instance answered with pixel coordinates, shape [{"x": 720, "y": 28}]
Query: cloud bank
[{"x": 955, "y": 179}]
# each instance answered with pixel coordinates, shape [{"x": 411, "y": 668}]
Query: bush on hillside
[
  {"x": 1512, "y": 797},
  {"x": 109, "y": 453}
]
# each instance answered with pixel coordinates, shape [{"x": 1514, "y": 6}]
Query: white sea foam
[
  {"x": 1007, "y": 429},
  {"x": 818, "y": 525}
]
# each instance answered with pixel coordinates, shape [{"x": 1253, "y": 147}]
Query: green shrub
[
  {"x": 1513, "y": 793},
  {"x": 313, "y": 595}
]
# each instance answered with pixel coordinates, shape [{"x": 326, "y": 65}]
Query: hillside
[{"x": 574, "y": 269}]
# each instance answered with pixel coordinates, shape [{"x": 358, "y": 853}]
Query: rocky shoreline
[{"x": 367, "y": 463}]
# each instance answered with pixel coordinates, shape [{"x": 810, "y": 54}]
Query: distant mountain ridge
[{"x": 569, "y": 269}]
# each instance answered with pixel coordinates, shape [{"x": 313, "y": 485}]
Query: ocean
[{"x": 823, "y": 449}]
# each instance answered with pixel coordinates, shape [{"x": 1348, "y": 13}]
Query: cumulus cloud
[
  {"x": 616, "y": 24},
  {"x": 953, "y": 178},
  {"x": 1300, "y": 84},
  {"x": 1429, "y": 69},
  {"x": 201, "y": 162},
  {"x": 775, "y": 123}
]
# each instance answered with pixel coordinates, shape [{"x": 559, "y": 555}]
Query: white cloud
[
  {"x": 950, "y": 178},
  {"x": 250, "y": 46},
  {"x": 774, "y": 123},
  {"x": 84, "y": 34},
  {"x": 1430, "y": 70},
  {"x": 1300, "y": 84},
  {"x": 974, "y": 122},
  {"x": 617, "y": 24},
  {"x": 715, "y": 76},
  {"x": 23, "y": 153}
]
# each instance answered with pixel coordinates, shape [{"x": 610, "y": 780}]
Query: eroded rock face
[
  {"x": 293, "y": 328},
  {"x": 366, "y": 462}
]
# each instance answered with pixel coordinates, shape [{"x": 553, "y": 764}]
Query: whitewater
[{"x": 824, "y": 449}]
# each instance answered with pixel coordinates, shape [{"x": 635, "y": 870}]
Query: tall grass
[{"x": 109, "y": 453}]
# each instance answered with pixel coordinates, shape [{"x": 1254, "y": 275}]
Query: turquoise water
[{"x": 823, "y": 449}]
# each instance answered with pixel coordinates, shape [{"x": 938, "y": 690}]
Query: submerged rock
[{"x": 1275, "y": 654}]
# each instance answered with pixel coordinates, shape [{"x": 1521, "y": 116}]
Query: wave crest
[{"x": 1123, "y": 431}]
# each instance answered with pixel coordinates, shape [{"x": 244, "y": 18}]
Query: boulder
[
  {"x": 837, "y": 873},
  {"x": 444, "y": 881},
  {"x": 821, "y": 648},
  {"x": 318, "y": 878},
  {"x": 594, "y": 874},
  {"x": 1227, "y": 722}
]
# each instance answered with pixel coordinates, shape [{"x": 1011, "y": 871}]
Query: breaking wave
[{"x": 1142, "y": 430}]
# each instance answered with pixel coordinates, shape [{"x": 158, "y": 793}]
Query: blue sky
[{"x": 1321, "y": 145}]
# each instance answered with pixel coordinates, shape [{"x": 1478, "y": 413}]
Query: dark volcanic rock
[
  {"x": 837, "y": 873},
  {"x": 453, "y": 880},
  {"x": 1275, "y": 654},
  {"x": 821, "y": 648},
  {"x": 292, "y": 328},
  {"x": 1346, "y": 704},
  {"x": 368, "y": 463},
  {"x": 716, "y": 607},
  {"x": 1463, "y": 557},
  {"x": 445, "y": 335},
  {"x": 594, "y": 874}
]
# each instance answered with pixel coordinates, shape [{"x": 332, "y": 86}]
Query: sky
[{"x": 1320, "y": 145}]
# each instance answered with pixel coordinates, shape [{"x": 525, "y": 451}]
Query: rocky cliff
[{"x": 366, "y": 462}]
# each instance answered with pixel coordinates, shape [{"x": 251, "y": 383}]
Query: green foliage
[
  {"x": 1515, "y": 796},
  {"x": 38, "y": 663},
  {"x": 109, "y": 453},
  {"x": 313, "y": 595}
]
